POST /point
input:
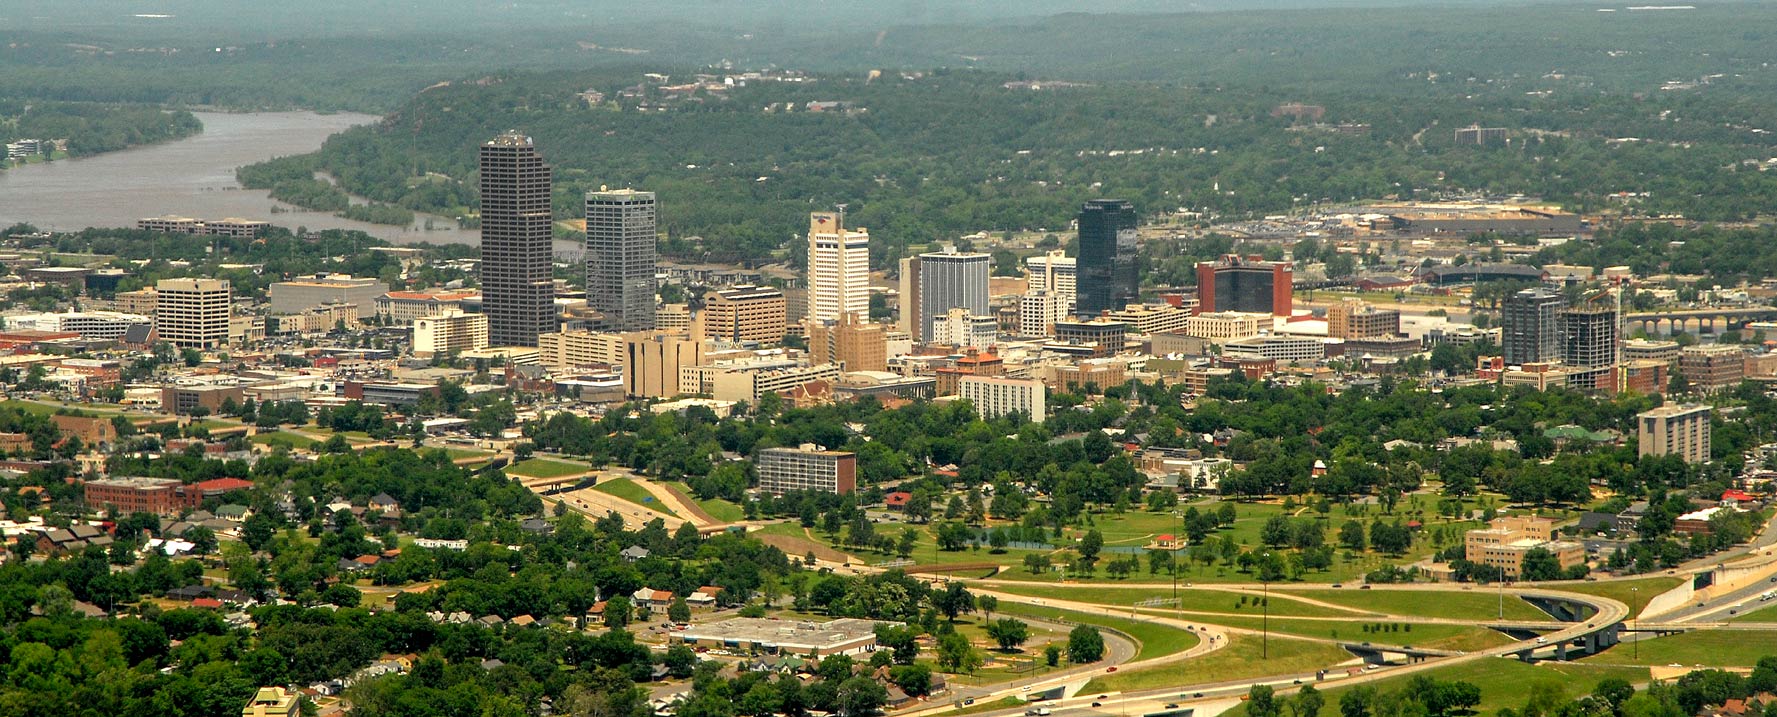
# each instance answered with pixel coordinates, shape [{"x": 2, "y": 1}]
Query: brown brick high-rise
[{"x": 517, "y": 288}]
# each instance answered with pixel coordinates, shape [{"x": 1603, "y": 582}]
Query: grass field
[
  {"x": 45, "y": 409},
  {"x": 461, "y": 453},
  {"x": 627, "y": 489},
  {"x": 1239, "y": 660},
  {"x": 545, "y": 468},
  {"x": 1442, "y": 636},
  {"x": 1624, "y": 591},
  {"x": 1503, "y": 683},
  {"x": 1155, "y": 639},
  {"x": 283, "y": 438},
  {"x": 1190, "y": 599},
  {"x": 717, "y": 508},
  {"x": 1768, "y": 613},
  {"x": 1711, "y": 648},
  {"x": 1478, "y": 605}
]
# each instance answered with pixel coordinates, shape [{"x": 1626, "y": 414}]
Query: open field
[
  {"x": 1478, "y": 605},
  {"x": 1156, "y": 640},
  {"x": 717, "y": 508},
  {"x": 1711, "y": 648},
  {"x": 1190, "y": 599},
  {"x": 1768, "y": 613},
  {"x": 1503, "y": 683},
  {"x": 627, "y": 489},
  {"x": 287, "y": 439},
  {"x": 545, "y": 468},
  {"x": 1442, "y": 636},
  {"x": 1239, "y": 660}
]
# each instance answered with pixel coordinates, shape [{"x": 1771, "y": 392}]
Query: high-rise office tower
[
  {"x": 907, "y": 319},
  {"x": 1529, "y": 331},
  {"x": 838, "y": 268},
  {"x": 1052, "y": 272},
  {"x": 193, "y": 313},
  {"x": 1108, "y": 278},
  {"x": 1589, "y": 336},
  {"x": 1246, "y": 284},
  {"x": 948, "y": 280},
  {"x": 620, "y": 236},
  {"x": 517, "y": 289}
]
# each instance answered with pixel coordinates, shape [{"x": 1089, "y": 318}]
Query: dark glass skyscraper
[
  {"x": 1529, "y": 331},
  {"x": 620, "y": 257},
  {"x": 1107, "y": 277},
  {"x": 517, "y": 288}
]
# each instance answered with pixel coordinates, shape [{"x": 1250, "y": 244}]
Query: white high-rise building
[
  {"x": 1039, "y": 310},
  {"x": 996, "y": 396},
  {"x": 193, "y": 313},
  {"x": 838, "y": 268},
  {"x": 960, "y": 327},
  {"x": 1053, "y": 271},
  {"x": 948, "y": 280},
  {"x": 449, "y": 333}
]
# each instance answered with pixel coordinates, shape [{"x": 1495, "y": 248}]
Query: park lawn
[
  {"x": 717, "y": 508},
  {"x": 1155, "y": 639},
  {"x": 1190, "y": 599},
  {"x": 1478, "y": 605},
  {"x": 1439, "y": 636},
  {"x": 43, "y": 409},
  {"x": 1708, "y": 648},
  {"x": 1002, "y": 703},
  {"x": 1239, "y": 660},
  {"x": 628, "y": 490},
  {"x": 1623, "y": 591},
  {"x": 545, "y": 468},
  {"x": 1503, "y": 683},
  {"x": 283, "y": 438},
  {"x": 459, "y": 453}
]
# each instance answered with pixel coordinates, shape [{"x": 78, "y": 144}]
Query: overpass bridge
[{"x": 1379, "y": 654}]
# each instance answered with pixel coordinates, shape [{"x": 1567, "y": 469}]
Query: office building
[
  {"x": 1674, "y": 430},
  {"x": 620, "y": 257},
  {"x": 1039, "y": 310},
  {"x": 1507, "y": 539},
  {"x": 806, "y": 468},
  {"x": 994, "y": 396},
  {"x": 907, "y": 297},
  {"x": 1053, "y": 271},
  {"x": 1481, "y": 136},
  {"x": 402, "y": 307},
  {"x": 1712, "y": 367},
  {"x": 838, "y": 268},
  {"x": 517, "y": 286},
  {"x": 193, "y": 313},
  {"x": 750, "y": 380},
  {"x": 745, "y": 313},
  {"x": 1588, "y": 336},
  {"x": 299, "y": 295},
  {"x": 1107, "y": 275},
  {"x": 960, "y": 327},
  {"x": 568, "y": 350},
  {"x": 856, "y": 345},
  {"x": 951, "y": 280},
  {"x": 1225, "y": 325},
  {"x": 1106, "y": 336},
  {"x": 1651, "y": 350},
  {"x": 123, "y": 496},
  {"x": 651, "y": 362},
  {"x": 1530, "y": 331},
  {"x": 449, "y": 333},
  {"x": 1149, "y": 319},
  {"x": 1249, "y": 284},
  {"x": 1353, "y": 319},
  {"x": 1272, "y": 347},
  {"x": 673, "y": 317}
]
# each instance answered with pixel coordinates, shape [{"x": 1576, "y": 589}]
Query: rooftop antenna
[{"x": 841, "y": 208}]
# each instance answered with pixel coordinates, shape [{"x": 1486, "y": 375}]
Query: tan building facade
[
  {"x": 1674, "y": 430},
  {"x": 745, "y": 313},
  {"x": 453, "y": 332},
  {"x": 576, "y": 349},
  {"x": 193, "y": 313}
]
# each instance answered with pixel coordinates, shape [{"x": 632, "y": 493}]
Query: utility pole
[
  {"x": 1634, "y": 614},
  {"x": 1265, "y": 614},
  {"x": 1172, "y": 561}
]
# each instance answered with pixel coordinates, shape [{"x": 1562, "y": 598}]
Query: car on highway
[
  {"x": 1112, "y": 668},
  {"x": 1098, "y": 704},
  {"x": 1172, "y": 705},
  {"x": 1195, "y": 695}
]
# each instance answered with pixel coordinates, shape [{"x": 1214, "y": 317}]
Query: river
[{"x": 194, "y": 177}]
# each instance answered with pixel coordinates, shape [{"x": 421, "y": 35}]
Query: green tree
[
  {"x": 1008, "y": 632},
  {"x": 1084, "y": 645}
]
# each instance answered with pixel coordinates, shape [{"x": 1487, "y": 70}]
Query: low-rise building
[
  {"x": 806, "y": 468},
  {"x": 1504, "y": 543},
  {"x": 995, "y": 396},
  {"x": 1712, "y": 367},
  {"x": 300, "y": 295},
  {"x": 1222, "y": 326},
  {"x": 845, "y": 636}
]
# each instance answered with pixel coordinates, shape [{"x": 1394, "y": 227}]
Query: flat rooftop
[{"x": 789, "y": 634}]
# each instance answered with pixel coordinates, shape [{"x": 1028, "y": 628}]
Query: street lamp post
[
  {"x": 1265, "y": 612},
  {"x": 1634, "y": 612},
  {"x": 1172, "y": 557}
]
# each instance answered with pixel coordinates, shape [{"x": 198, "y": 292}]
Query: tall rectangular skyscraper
[
  {"x": 620, "y": 257},
  {"x": 948, "y": 280},
  {"x": 1107, "y": 275},
  {"x": 1529, "y": 331},
  {"x": 517, "y": 289},
  {"x": 838, "y": 268}
]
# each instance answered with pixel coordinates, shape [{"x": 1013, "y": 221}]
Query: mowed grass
[
  {"x": 1768, "y": 613},
  {"x": 1241, "y": 659},
  {"x": 1156, "y": 640},
  {"x": 717, "y": 508},
  {"x": 628, "y": 490},
  {"x": 1634, "y": 593},
  {"x": 545, "y": 468},
  {"x": 1503, "y": 683},
  {"x": 1190, "y": 599},
  {"x": 1440, "y": 636},
  {"x": 1709, "y": 648},
  {"x": 1480, "y": 604},
  {"x": 286, "y": 439}
]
